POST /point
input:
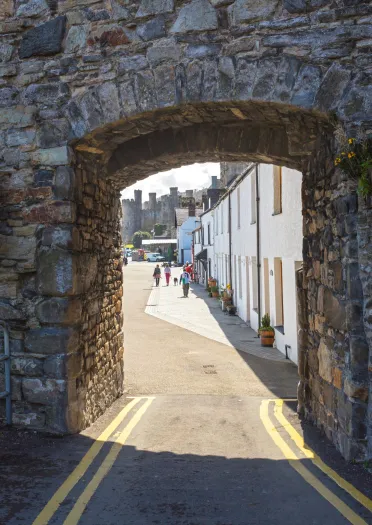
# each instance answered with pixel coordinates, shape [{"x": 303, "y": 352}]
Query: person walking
[
  {"x": 167, "y": 273},
  {"x": 157, "y": 275},
  {"x": 185, "y": 279}
]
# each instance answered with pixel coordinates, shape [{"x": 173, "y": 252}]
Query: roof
[
  {"x": 148, "y": 242},
  {"x": 182, "y": 214}
]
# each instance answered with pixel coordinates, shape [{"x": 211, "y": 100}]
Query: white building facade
[{"x": 255, "y": 234}]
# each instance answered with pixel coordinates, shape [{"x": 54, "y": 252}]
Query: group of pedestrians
[{"x": 184, "y": 279}]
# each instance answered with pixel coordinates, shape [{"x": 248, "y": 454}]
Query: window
[
  {"x": 266, "y": 286},
  {"x": 279, "y": 307},
  {"x": 253, "y": 198},
  {"x": 238, "y": 206},
  {"x": 203, "y": 235},
  {"x": 240, "y": 278},
  {"x": 209, "y": 233},
  {"x": 277, "y": 188}
]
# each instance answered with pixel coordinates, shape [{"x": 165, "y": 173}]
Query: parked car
[{"x": 153, "y": 257}]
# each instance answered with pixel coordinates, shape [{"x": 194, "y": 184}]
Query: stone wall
[{"x": 97, "y": 95}]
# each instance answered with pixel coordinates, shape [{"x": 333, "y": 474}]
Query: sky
[{"x": 192, "y": 177}]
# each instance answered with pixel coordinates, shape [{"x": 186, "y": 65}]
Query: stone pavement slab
[{"x": 203, "y": 315}]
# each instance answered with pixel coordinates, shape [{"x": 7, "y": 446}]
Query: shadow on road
[
  {"x": 280, "y": 377},
  {"x": 164, "y": 488}
]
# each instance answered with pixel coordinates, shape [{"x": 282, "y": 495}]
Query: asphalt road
[{"x": 198, "y": 439}]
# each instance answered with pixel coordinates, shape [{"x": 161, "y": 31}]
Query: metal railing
[{"x": 5, "y": 357}]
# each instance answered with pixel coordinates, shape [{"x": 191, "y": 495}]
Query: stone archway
[{"x": 131, "y": 91}]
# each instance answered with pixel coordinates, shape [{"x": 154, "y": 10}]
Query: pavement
[
  {"x": 206, "y": 434},
  {"x": 203, "y": 315}
]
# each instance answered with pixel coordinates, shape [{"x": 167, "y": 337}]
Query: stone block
[
  {"x": 253, "y": 11},
  {"x": 63, "y": 187},
  {"x": 334, "y": 311},
  {"x": 27, "y": 366},
  {"x": 109, "y": 100},
  {"x": 8, "y": 290},
  {"x": 19, "y": 137},
  {"x": 359, "y": 351},
  {"x": 198, "y": 15},
  {"x": 306, "y": 86},
  {"x": 56, "y": 273},
  {"x": 353, "y": 283},
  {"x": 63, "y": 366},
  {"x": 17, "y": 248},
  {"x": 6, "y": 51},
  {"x": 9, "y": 312},
  {"x": 164, "y": 53},
  {"x": 51, "y": 157},
  {"x": 337, "y": 378},
  {"x": 154, "y": 7},
  {"x": 152, "y": 29},
  {"x": 325, "y": 361},
  {"x": 48, "y": 341},
  {"x": 7, "y": 9},
  {"x": 59, "y": 310},
  {"x": 355, "y": 389},
  {"x": 32, "y": 8},
  {"x": 45, "y": 39},
  {"x": 43, "y": 178},
  {"x": 133, "y": 63},
  {"x": 15, "y": 385},
  {"x": 53, "y": 212},
  {"x": 20, "y": 116},
  {"x": 66, "y": 237},
  {"x": 76, "y": 39},
  {"x": 53, "y": 133},
  {"x": 332, "y": 87},
  {"x": 9, "y": 96},
  {"x": 44, "y": 391}
]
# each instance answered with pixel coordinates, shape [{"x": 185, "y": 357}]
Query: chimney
[
  {"x": 214, "y": 182},
  {"x": 213, "y": 195},
  {"x": 205, "y": 202},
  {"x": 192, "y": 208}
]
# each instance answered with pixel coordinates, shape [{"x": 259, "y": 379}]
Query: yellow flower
[
  {"x": 351, "y": 154},
  {"x": 343, "y": 153},
  {"x": 337, "y": 161},
  {"x": 351, "y": 141}
]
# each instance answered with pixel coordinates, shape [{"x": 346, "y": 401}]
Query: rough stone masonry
[{"x": 96, "y": 94}]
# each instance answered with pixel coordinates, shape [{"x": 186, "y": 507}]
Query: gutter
[
  {"x": 230, "y": 256},
  {"x": 258, "y": 254}
]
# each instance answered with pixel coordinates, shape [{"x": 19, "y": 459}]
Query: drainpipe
[
  {"x": 230, "y": 256},
  {"x": 258, "y": 235}
]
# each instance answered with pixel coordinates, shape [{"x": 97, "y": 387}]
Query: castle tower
[
  {"x": 138, "y": 197},
  {"x": 152, "y": 201}
]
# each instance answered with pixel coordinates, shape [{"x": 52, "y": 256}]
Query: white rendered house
[{"x": 262, "y": 274}]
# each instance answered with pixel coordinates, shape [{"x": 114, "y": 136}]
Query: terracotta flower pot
[
  {"x": 267, "y": 337},
  {"x": 215, "y": 294}
]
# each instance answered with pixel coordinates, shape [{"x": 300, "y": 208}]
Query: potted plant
[
  {"x": 266, "y": 331},
  {"x": 214, "y": 290},
  {"x": 231, "y": 309},
  {"x": 212, "y": 282}
]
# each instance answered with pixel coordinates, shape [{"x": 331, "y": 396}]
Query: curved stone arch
[{"x": 84, "y": 89}]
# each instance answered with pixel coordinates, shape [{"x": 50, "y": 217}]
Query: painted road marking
[
  {"x": 79, "y": 507},
  {"x": 296, "y": 464},
  {"x": 60, "y": 495},
  {"x": 298, "y": 439}
]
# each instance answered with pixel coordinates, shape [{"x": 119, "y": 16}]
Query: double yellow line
[
  {"x": 305, "y": 473},
  {"x": 60, "y": 495}
]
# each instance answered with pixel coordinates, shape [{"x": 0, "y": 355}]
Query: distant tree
[
  {"x": 159, "y": 229},
  {"x": 138, "y": 236}
]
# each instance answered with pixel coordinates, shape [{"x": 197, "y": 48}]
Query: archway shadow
[
  {"x": 146, "y": 487},
  {"x": 280, "y": 376}
]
